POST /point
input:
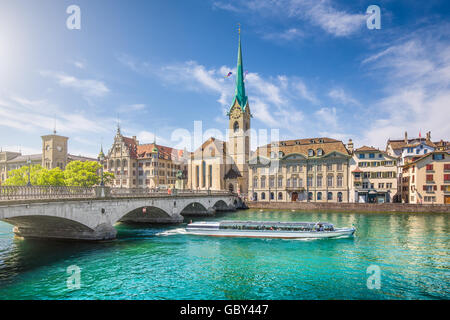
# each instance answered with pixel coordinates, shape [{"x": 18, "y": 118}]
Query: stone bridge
[{"x": 94, "y": 218}]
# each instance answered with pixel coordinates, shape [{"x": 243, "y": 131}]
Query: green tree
[
  {"x": 82, "y": 174},
  {"x": 19, "y": 177},
  {"x": 108, "y": 178},
  {"x": 53, "y": 177}
]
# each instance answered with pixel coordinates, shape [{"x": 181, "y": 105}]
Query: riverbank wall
[{"x": 354, "y": 207}]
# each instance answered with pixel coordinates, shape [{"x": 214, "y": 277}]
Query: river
[{"x": 410, "y": 251}]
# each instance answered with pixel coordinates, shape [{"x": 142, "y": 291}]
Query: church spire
[{"x": 240, "y": 87}]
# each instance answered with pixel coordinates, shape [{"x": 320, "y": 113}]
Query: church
[{"x": 221, "y": 165}]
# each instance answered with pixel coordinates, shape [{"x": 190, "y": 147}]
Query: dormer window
[
  {"x": 319, "y": 152},
  {"x": 312, "y": 141},
  {"x": 310, "y": 153},
  {"x": 320, "y": 140},
  {"x": 297, "y": 142},
  {"x": 280, "y": 154}
]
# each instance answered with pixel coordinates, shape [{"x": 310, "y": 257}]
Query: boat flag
[{"x": 229, "y": 74}]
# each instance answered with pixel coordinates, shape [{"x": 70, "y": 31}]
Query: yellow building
[
  {"x": 427, "y": 179},
  {"x": 312, "y": 170}
]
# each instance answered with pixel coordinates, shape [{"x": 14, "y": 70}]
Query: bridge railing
[
  {"x": 44, "y": 192},
  {"x": 64, "y": 192}
]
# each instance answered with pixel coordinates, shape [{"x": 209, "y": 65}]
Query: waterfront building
[
  {"x": 309, "y": 170},
  {"x": 219, "y": 165},
  {"x": 151, "y": 165},
  {"x": 54, "y": 154},
  {"x": 408, "y": 150},
  {"x": 373, "y": 175},
  {"x": 427, "y": 179}
]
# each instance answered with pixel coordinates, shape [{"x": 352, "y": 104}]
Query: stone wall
[{"x": 357, "y": 207}]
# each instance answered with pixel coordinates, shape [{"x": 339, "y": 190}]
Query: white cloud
[
  {"x": 328, "y": 116},
  {"x": 417, "y": 88},
  {"x": 132, "y": 107},
  {"x": 341, "y": 96},
  {"x": 88, "y": 87},
  {"x": 320, "y": 13}
]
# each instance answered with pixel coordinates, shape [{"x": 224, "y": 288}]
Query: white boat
[{"x": 268, "y": 229}]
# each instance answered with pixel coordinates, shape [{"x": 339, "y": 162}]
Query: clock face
[{"x": 235, "y": 114}]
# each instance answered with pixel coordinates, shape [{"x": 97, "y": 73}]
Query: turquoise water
[{"x": 145, "y": 262}]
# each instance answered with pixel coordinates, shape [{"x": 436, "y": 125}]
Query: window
[
  {"x": 329, "y": 181},
  {"x": 329, "y": 167},
  {"x": 210, "y": 176},
  {"x": 255, "y": 182},
  {"x": 236, "y": 126},
  {"x": 339, "y": 180},
  {"x": 310, "y": 195},
  {"x": 272, "y": 196},
  {"x": 300, "y": 183},
  {"x": 429, "y": 177},
  {"x": 263, "y": 182},
  {"x": 438, "y": 156},
  {"x": 294, "y": 182},
  {"x": 447, "y": 167},
  {"x": 319, "y": 152},
  {"x": 339, "y": 196},
  {"x": 309, "y": 181},
  {"x": 371, "y": 155},
  {"x": 288, "y": 183},
  {"x": 271, "y": 182},
  {"x": 362, "y": 155},
  {"x": 330, "y": 196},
  {"x": 319, "y": 196},
  {"x": 319, "y": 181},
  {"x": 197, "y": 175},
  {"x": 310, "y": 152},
  {"x": 381, "y": 186},
  {"x": 365, "y": 185},
  {"x": 280, "y": 182},
  {"x": 339, "y": 166},
  {"x": 446, "y": 177},
  {"x": 280, "y": 154},
  {"x": 319, "y": 167},
  {"x": 429, "y": 167},
  {"x": 263, "y": 196},
  {"x": 280, "y": 196}
]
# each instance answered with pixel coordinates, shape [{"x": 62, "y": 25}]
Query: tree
[
  {"x": 82, "y": 174},
  {"x": 19, "y": 177},
  {"x": 53, "y": 177},
  {"x": 108, "y": 178}
]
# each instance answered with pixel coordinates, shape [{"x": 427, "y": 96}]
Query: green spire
[{"x": 240, "y": 87}]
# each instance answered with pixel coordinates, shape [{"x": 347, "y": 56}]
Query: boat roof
[{"x": 261, "y": 223}]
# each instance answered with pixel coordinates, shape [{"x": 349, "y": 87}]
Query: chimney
[
  {"x": 406, "y": 137},
  {"x": 350, "y": 145},
  {"x": 429, "y": 136}
]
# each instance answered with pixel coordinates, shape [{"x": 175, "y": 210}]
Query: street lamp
[
  {"x": 101, "y": 159},
  {"x": 29, "y": 172}
]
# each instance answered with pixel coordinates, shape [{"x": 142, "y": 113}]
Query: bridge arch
[
  {"x": 195, "y": 208},
  {"x": 46, "y": 226},
  {"x": 221, "y": 205},
  {"x": 146, "y": 214}
]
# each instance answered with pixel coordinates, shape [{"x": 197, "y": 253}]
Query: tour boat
[{"x": 268, "y": 229}]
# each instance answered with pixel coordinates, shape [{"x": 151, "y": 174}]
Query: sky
[{"x": 314, "y": 70}]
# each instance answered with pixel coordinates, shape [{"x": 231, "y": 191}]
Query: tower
[
  {"x": 54, "y": 151},
  {"x": 239, "y": 125}
]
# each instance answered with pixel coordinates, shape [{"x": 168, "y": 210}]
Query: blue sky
[{"x": 314, "y": 69}]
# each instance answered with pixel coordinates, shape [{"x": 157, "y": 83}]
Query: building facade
[
  {"x": 427, "y": 179},
  {"x": 137, "y": 165},
  {"x": 309, "y": 170},
  {"x": 373, "y": 176}
]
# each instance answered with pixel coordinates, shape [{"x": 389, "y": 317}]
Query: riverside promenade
[{"x": 353, "y": 207}]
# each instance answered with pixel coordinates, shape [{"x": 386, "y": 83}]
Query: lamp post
[
  {"x": 29, "y": 172},
  {"x": 101, "y": 159}
]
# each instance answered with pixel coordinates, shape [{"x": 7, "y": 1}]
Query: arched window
[
  {"x": 330, "y": 196},
  {"x": 111, "y": 164},
  {"x": 203, "y": 174},
  {"x": 319, "y": 195},
  {"x": 255, "y": 182},
  {"x": 319, "y": 152},
  {"x": 310, "y": 195},
  {"x": 124, "y": 162},
  {"x": 280, "y": 154},
  {"x": 310, "y": 152},
  {"x": 263, "y": 196},
  {"x": 117, "y": 163},
  {"x": 280, "y": 196},
  {"x": 255, "y": 196},
  {"x": 339, "y": 195},
  {"x": 236, "y": 126},
  {"x": 272, "y": 196}
]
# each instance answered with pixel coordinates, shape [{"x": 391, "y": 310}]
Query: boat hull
[{"x": 338, "y": 233}]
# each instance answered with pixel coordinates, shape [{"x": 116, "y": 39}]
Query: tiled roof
[
  {"x": 399, "y": 144},
  {"x": 24, "y": 158},
  {"x": 366, "y": 148},
  {"x": 79, "y": 158},
  {"x": 166, "y": 153},
  {"x": 420, "y": 158},
  {"x": 302, "y": 146},
  {"x": 132, "y": 146},
  {"x": 204, "y": 150}
]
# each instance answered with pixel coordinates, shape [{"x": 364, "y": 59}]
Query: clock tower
[
  {"x": 239, "y": 127},
  {"x": 54, "y": 151}
]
